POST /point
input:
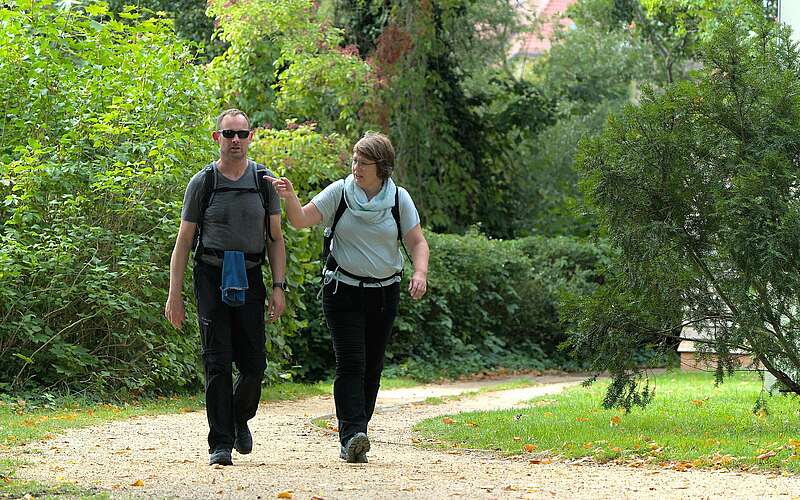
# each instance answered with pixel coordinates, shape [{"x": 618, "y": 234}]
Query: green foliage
[
  {"x": 459, "y": 120},
  {"x": 595, "y": 68},
  {"x": 490, "y": 303},
  {"x": 284, "y": 62},
  {"x": 697, "y": 192},
  {"x": 555, "y": 204},
  {"x": 100, "y": 128},
  {"x": 189, "y": 17}
]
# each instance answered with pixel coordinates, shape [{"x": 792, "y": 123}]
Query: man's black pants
[
  {"x": 230, "y": 335},
  {"x": 360, "y": 321}
]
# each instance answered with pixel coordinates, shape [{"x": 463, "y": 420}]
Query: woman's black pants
[
  {"x": 360, "y": 321},
  {"x": 230, "y": 335}
]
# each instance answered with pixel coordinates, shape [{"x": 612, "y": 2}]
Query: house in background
[
  {"x": 789, "y": 13},
  {"x": 550, "y": 13}
]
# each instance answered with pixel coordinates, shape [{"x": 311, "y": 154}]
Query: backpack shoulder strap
[
  {"x": 396, "y": 215},
  {"x": 339, "y": 211},
  {"x": 208, "y": 186},
  {"x": 259, "y": 171}
]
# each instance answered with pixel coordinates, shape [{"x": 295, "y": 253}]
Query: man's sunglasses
[{"x": 228, "y": 134}]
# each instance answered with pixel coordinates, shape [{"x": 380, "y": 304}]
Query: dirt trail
[{"x": 165, "y": 457}]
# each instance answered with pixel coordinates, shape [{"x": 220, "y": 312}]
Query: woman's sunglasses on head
[{"x": 228, "y": 134}]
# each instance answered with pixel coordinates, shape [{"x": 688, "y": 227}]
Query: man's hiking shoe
[
  {"x": 221, "y": 457},
  {"x": 360, "y": 459},
  {"x": 355, "y": 451},
  {"x": 244, "y": 439}
]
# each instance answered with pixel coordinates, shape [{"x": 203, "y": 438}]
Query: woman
[{"x": 361, "y": 288}]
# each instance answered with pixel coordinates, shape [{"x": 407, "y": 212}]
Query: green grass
[{"x": 690, "y": 424}]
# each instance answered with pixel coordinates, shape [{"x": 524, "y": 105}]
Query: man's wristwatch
[{"x": 280, "y": 284}]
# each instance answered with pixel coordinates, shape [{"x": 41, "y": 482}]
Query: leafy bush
[
  {"x": 490, "y": 303},
  {"x": 101, "y": 132},
  {"x": 284, "y": 62}
]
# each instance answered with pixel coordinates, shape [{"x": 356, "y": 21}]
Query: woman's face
[{"x": 365, "y": 172}]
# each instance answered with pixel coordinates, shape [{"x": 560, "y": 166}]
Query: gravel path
[{"x": 165, "y": 457}]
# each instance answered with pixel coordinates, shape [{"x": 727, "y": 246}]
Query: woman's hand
[
  {"x": 283, "y": 186},
  {"x": 418, "y": 285}
]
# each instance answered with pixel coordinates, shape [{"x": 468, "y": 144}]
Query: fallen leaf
[
  {"x": 90, "y": 412},
  {"x": 682, "y": 466},
  {"x": 528, "y": 448},
  {"x": 615, "y": 420},
  {"x": 448, "y": 421},
  {"x": 315, "y": 497},
  {"x": 698, "y": 402},
  {"x": 537, "y": 461},
  {"x": 286, "y": 494},
  {"x": 470, "y": 423},
  {"x": 764, "y": 456},
  {"x": 517, "y": 438},
  {"x": 138, "y": 483},
  {"x": 581, "y": 419},
  {"x": 547, "y": 414}
]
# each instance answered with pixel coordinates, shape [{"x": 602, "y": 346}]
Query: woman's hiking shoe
[
  {"x": 221, "y": 457},
  {"x": 355, "y": 451},
  {"x": 244, "y": 439}
]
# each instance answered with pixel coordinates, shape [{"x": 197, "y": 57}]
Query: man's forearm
[
  {"x": 276, "y": 251},
  {"x": 177, "y": 269}
]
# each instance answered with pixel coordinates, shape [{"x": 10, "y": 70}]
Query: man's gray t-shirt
[
  {"x": 361, "y": 248},
  {"x": 235, "y": 219}
]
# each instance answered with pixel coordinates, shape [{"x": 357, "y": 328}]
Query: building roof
[{"x": 538, "y": 42}]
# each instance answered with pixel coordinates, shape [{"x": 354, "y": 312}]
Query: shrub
[
  {"x": 490, "y": 303},
  {"x": 101, "y": 129}
]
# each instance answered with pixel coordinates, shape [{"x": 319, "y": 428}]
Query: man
[{"x": 231, "y": 223}]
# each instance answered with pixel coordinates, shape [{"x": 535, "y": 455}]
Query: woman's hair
[{"x": 378, "y": 148}]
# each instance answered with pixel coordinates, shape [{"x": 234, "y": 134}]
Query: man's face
[{"x": 233, "y": 148}]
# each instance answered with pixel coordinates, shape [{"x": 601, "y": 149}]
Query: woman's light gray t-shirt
[
  {"x": 235, "y": 219},
  {"x": 363, "y": 248}
]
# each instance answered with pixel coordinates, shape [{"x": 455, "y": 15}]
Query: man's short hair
[
  {"x": 232, "y": 112},
  {"x": 377, "y": 147}
]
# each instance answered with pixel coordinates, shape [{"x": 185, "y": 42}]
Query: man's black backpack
[
  {"x": 210, "y": 188},
  {"x": 328, "y": 262}
]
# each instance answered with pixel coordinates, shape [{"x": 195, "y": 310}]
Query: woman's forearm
[{"x": 294, "y": 212}]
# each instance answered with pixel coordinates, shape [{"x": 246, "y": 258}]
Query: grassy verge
[{"x": 690, "y": 424}]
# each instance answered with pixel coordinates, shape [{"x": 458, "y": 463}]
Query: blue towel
[{"x": 234, "y": 278}]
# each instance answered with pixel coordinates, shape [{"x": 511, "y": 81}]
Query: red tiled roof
[{"x": 539, "y": 42}]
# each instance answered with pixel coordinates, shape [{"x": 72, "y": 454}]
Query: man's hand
[
  {"x": 174, "y": 311},
  {"x": 277, "y": 304}
]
